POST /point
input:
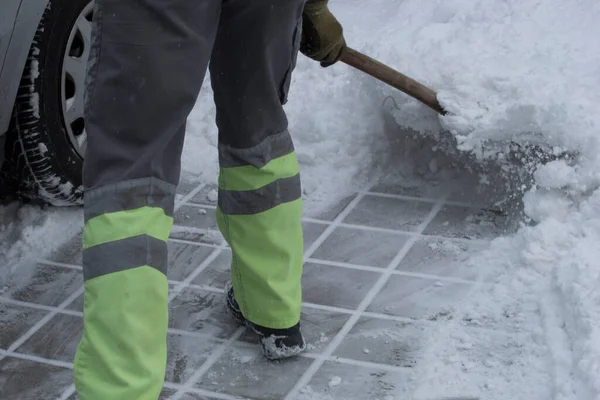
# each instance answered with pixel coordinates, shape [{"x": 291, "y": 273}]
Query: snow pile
[
  {"x": 512, "y": 71},
  {"x": 28, "y": 233}
]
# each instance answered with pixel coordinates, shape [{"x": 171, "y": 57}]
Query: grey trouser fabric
[
  {"x": 154, "y": 56},
  {"x": 147, "y": 64}
]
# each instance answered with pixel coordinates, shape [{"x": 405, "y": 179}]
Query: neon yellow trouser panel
[
  {"x": 122, "y": 354},
  {"x": 259, "y": 214}
]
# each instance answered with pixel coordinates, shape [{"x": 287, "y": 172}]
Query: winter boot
[{"x": 275, "y": 343}]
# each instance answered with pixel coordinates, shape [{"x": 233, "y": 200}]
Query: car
[{"x": 44, "y": 47}]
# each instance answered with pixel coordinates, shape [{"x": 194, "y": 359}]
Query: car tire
[{"x": 46, "y": 143}]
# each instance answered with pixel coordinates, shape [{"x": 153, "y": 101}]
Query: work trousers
[{"x": 146, "y": 68}]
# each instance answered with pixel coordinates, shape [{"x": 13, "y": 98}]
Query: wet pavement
[{"x": 382, "y": 268}]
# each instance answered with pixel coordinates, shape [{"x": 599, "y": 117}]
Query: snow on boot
[{"x": 275, "y": 343}]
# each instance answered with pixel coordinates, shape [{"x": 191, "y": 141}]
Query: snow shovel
[{"x": 393, "y": 78}]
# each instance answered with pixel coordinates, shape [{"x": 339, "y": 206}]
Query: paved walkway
[{"x": 381, "y": 269}]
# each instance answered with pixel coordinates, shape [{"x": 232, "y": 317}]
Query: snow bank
[
  {"x": 512, "y": 71},
  {"x": 28, "y": 233}
]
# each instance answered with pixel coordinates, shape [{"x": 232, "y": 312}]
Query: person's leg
[
  {"x": 147, "y": 65},
  {"x": 260, "y": 206}
]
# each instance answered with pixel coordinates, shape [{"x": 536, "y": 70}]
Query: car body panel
[{"x": 15, "y": 42}]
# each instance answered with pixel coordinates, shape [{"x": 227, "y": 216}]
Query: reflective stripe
[
  {"x": 119, "y": 225},
  {"x": 251, "y": 178},
  {"x": 124, "y": 254},
  {"x": 281, "y": 191},
  {"x": 129, "y": 195},
  {"x": 258, "y": 156}
]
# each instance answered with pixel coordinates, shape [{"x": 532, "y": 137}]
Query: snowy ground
[{"x": 408, "y": 297}]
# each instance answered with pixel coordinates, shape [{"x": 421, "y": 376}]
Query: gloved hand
[{"x": 322, "y": 35}]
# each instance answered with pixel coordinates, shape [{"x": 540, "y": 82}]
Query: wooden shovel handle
[{"x": 393, "y": 78}]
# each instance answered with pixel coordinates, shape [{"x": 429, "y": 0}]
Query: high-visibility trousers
[{"x": 147, "y": 64}]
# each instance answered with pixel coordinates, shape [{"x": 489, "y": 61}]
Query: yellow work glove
[{"x": 322, "y": 35}]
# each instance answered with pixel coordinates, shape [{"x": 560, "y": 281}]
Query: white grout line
[
  {"x": 188, "y": 196},
  {"x": 380, "y": 270},
  {"x": 210, "y": 361},
  {"x": 199, "y": 244},
  {"x": 70, "y": 391},
  {"x": 316, "y": 221},
  {"x": 341, "y": 264},
  {"x": 364, "y": 304},
  {"x": 368, "y": 364},
  {"x": 201, "y": 205},
  {"x": 426, "y": 200},
  {"x": 56, "y": 310},
  {"x": 40, "y": 360},
  {"x": 59, "y": 264}
]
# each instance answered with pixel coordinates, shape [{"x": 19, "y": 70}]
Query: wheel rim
[{"x": 75, "y": 59}]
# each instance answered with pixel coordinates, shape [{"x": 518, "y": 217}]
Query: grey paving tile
[
  {"x": 185, "y": 355},
  {"x": 311, "y": 232},
  {"x": 339, "y": 381},
  {"x": 28, "y": 380},
  {"x": 200, "y": 311},
  {"x": 361, "y": 247},
  {"x": 319, "y": 327},
  {"x": 418, "y": 298},
  {"x": 383, "y": 212},
  {"x": 466, "y": 222},
  {"x": 70, "y": 252},
  {"x": 48, "y": 285},
  {"x": 217, "y": 273},
  {"x": 15, "y": 321},
  {"x": 185, "y": 258},
  {"x": 384, "y": 342},
  {"x": 245, "y": 372},
  {"x": 196, "y": 217},
  {"x": 443, "y": 257},
  {"x": 336, "y": 286},
  {"x": 57, "y": 339}
]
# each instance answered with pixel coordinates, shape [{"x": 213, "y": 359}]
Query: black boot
[{"x": 275, "y": 343}]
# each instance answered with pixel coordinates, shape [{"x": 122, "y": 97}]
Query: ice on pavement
[{"x": 512, "y": 71}]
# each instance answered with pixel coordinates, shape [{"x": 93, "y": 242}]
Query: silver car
[{"x": 44, "y": 46}]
